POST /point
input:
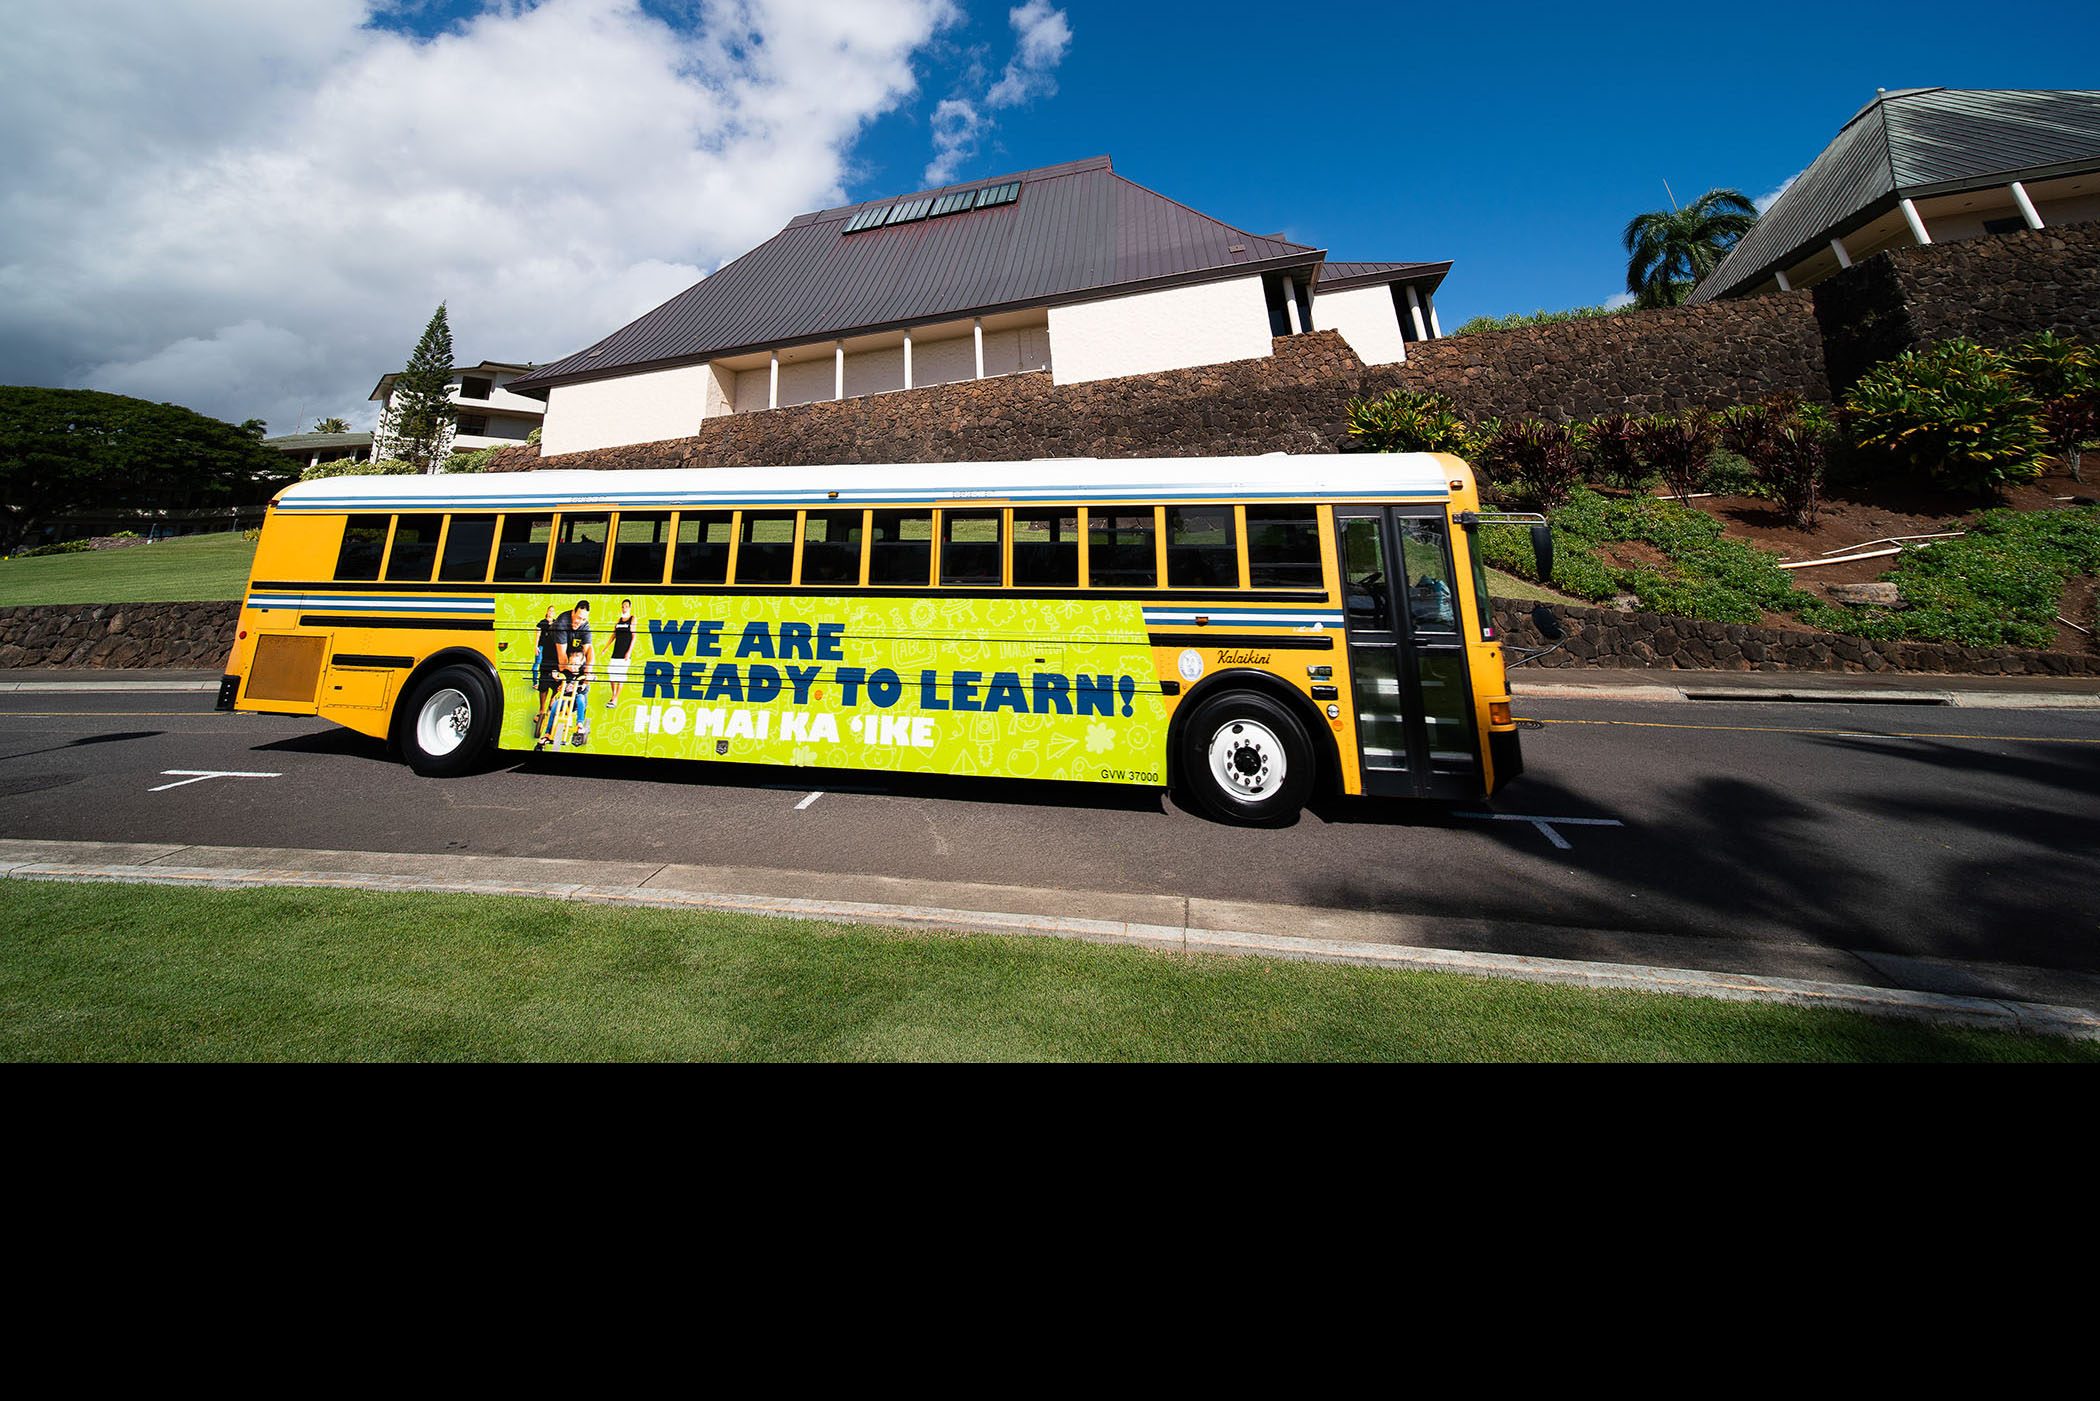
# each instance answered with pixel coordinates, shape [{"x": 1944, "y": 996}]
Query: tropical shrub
[
  {"x": 1537, "y": 318},
  {"x": 1533, "y": 458},
  {"x": 1608, "y": 443},
  {"x": 2064, "y": 377},
  {"x": 1957, "y": 410},
  {"x": 353, "y": 467},
  {"x": 1787, "y": 444},
  {"x": 63, "y": 547},
  {"x": 1677, "y": 446},
  {"x": 1402, "y": 420},
  {"x": 476, "y": 461}
]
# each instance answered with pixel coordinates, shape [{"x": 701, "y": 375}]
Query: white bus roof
[{"x": 1375, "y": 476}]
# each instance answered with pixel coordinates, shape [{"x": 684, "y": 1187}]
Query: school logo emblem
[{"x": 721, "y": 746}]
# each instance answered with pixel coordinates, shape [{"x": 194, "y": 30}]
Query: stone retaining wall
[
  {"x": 185, "y": 636},
  {"x": 1605, "y": 638}
]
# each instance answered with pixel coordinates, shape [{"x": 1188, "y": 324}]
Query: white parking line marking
[
  {"x": 199, "y": 775},
  {"x": 810, "y": 799},
  {"x": 1546, "y": 824}
]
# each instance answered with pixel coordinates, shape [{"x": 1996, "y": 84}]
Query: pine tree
[{"x": 420, "y": 416}]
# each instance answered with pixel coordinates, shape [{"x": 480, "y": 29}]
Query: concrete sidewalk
[
  {"x": 1829, "y": 687},
  {"x": 1995, "y": 996}
]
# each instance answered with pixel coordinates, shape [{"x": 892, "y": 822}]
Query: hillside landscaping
[
  {"x": 1692, "y": 515},
  {"x": 193, "y": 569}
]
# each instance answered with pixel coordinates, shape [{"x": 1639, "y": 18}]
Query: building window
[
  {"x": 473, "y": 387},
  {"x": 474, "y": 425}
]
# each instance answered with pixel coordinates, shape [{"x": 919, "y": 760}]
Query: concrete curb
[
  {"x": 104, "y": 687},
  {"x": 1944, "y": 1009}
]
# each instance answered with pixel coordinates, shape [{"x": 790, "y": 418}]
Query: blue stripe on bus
[{"x": 340, "y": 603}]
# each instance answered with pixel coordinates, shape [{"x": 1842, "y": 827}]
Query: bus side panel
[{"x": 1002, "y": 687}]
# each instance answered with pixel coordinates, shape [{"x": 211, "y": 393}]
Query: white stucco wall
[
  {"x": 630, "y": 409},
  {"x": 720, "y": 396},
  {"x": 1367, "y": 320},
  {"x": 1170, "y": 330}
]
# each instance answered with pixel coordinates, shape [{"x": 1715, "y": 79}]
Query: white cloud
[
  {"x": 1765, "y": 201},
  {"x": 251, "y": 208},
  {"x": 1614, "y": 302},
  {"x": 1042, "y": 37}
]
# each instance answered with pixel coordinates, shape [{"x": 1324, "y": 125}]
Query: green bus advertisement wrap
[{"x": 1020, "y": 688}]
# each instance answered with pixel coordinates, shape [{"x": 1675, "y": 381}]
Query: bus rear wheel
[
  {"x": 1245, "y": 758},
  {"x": 448, "y": 720}
]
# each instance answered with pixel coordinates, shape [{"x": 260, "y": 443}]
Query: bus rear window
[
  {"x": 467, "y": 547},
  {"x": 579, "y": 550},
  {"x": 701, "y": 554},
  {"x": 766, "y": 553},
  {"x": 1283, "y": 547},
  {"x": 1119, "y": 550},
  {"x": 1201, "y": 549},
  {"x": 415, "y": 549},
  {"x": 521, "y": 557},
  {"x": 831, "y": 548},
  {"x": 364, "y": 545},
  {"x": 640, "y": 547},
  {"x": 901, "y": 548},
  {"x": 971, "y": 551},
  {"x": 1046, "y": 547}
]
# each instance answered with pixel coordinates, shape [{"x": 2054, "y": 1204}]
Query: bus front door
[{"x": 1407, "y": 656}]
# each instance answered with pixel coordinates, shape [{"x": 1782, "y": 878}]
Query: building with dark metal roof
[
  {"x": 1923, "y": 165},
  {"x": 1070, "y": 269}
]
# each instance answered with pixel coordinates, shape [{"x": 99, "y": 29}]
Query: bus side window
[
  {"x": 901, "y": 550},
  {"x": 971, "y": 553},
  {"x": 1119, "y": 549},
  {"x": 831, "y": 548},
  {"x": 1046, "y": 547},
  {"x": 364, "y": 544},
  {"x": 1283, "y": 547},
  {"x": 1201, "y": 549},
  {"x": 701, "y": 554},
  {"x": 579, "y": 549},
  {"x": 639, "y": 547},
  {"x": 521, "y": 557},
  {"x": 1431, "y": 604},
  {"x": 766, "y": 553},
  {"x": 415, "y": 549},
  {"x": 467, "y": 546}
]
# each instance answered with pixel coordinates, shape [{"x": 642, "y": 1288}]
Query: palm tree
[
  {"x": 1669, "y": 253},
  {"x": 332, "y": 425}
]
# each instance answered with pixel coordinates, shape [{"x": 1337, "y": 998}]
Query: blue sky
[
  {"x": 250, "y": 207},
  {"x": 1514, "y": 139}
]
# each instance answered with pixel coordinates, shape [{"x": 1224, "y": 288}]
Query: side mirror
[
  {"x": 1542, "y": 551},
  {"x": 1542, "y": 618}
]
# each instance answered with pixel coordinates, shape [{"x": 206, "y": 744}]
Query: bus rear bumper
[{"x": 229, "y": 691}]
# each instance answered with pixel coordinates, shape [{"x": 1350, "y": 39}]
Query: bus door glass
[{"x": 1407, "y": 661}]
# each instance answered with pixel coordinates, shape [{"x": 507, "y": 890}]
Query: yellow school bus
[{"x": 1246, "y": 629}]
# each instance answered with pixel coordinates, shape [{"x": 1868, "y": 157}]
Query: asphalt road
[{"x": 1940, "y": 834}]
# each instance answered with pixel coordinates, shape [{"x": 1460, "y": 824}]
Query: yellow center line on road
[{"x": 1849, "y": 734}]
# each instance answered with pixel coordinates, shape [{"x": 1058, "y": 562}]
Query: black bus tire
[
  {"x": 1245, "y": 758},
  {"x": 448, "y": 720}
]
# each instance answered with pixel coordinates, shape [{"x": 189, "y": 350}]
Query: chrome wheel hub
[
  {"x": 443, "y": 723},
  {"x": 1247, "y": 759}
]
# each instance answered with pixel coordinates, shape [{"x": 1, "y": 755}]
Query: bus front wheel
[
  {"x": 1245, "y": 758},
  {"x": 448, "y": 721}
]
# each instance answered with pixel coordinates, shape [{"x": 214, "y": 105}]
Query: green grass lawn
[
  {"x": 194, "y": 569},
  {"x": 1502, "y": 585},
  {"x": 115, "y": 972}
]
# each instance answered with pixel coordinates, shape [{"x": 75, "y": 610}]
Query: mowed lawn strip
[
  {"x": 194, "y": 569},
  {"x": 119, "y": 972}
]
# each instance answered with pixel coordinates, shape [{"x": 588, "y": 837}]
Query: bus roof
[{"x": 1049, "y": 481}]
